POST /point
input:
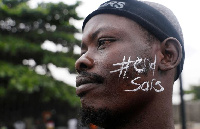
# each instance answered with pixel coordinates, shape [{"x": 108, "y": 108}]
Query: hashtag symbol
[{"x": 124, "y": 67}]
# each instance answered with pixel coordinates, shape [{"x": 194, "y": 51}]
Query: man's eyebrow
[{"x": 94, "y": 35}]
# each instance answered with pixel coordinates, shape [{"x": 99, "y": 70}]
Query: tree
[
  {"x": 22, "y": 32},
  {"x": 195, "y": 90}
]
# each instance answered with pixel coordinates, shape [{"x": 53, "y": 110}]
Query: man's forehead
[
  {"x": 109, "y": 23},
  {"x": 109, "y": 20}
]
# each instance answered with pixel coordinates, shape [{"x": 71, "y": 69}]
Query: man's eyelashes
[{"x": 103, "y": 42}]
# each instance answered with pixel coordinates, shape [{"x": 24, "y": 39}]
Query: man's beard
[{"x": 102, "y": 118}]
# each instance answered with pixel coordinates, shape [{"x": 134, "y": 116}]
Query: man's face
[{"x": 109, "y": 40}]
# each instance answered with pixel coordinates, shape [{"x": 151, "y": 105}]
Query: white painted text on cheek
[{"x": 146, "y": 64}]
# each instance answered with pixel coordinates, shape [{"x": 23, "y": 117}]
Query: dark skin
[{"x": 106, "y": 40}]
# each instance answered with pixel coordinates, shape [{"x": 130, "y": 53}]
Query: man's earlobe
[{"x": 172, "y": 54}]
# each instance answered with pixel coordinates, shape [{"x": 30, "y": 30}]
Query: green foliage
[
  {"x": 195, "y": 89},
  {"x": 21, "y": 79},
  {"x": 13, "y": 3},
  {"x": 22, "y": 32}
]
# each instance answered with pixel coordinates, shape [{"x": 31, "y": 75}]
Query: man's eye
[{"x": 103, "y": 42}]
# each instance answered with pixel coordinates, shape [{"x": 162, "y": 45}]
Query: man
[{"x": 131, "y": 54}]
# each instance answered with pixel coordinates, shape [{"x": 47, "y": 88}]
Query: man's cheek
[{"x": 141, "y": 72}]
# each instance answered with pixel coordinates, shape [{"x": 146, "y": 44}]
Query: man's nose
[{"x": 84, "y": 63}]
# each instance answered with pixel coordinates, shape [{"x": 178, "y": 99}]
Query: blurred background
[{"x": 39, "y": 44}]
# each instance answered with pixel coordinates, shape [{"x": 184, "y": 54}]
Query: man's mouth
[{"x": 87, "y": 81}]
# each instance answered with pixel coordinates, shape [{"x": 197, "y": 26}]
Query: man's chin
[
  {"x": 101, "y": 117},
  {"x": 95, "y": 116}
]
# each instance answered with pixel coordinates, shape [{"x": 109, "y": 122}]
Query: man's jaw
[
  {"x": 95, "y": 116},
  {"x": 102, "y": 117}
]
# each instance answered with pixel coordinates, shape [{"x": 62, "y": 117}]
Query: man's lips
[
  {"x": 84, "y": 85},
  {"x": 85, "y": 81}
]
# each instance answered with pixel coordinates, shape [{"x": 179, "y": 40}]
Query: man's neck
[{"x": 157, "y": 115}]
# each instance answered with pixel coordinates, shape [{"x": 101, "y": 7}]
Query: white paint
[
  {"x": 133, "y": 82},
  {"x": 137, "y": 62},
  {"x": 159, "y": 83},
  {"x": 149, "y": 86},
  {"x": 146, "y": 85},
  {"x": 124, "y": 66},
  {"x": 141, "y": 61},
  {"x": 153, "y": 65}
]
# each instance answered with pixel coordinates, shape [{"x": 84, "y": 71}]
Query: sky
[{"x": 187, "y": 12}]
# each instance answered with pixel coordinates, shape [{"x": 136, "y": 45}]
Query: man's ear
[{"x": 172, "y": 54}]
